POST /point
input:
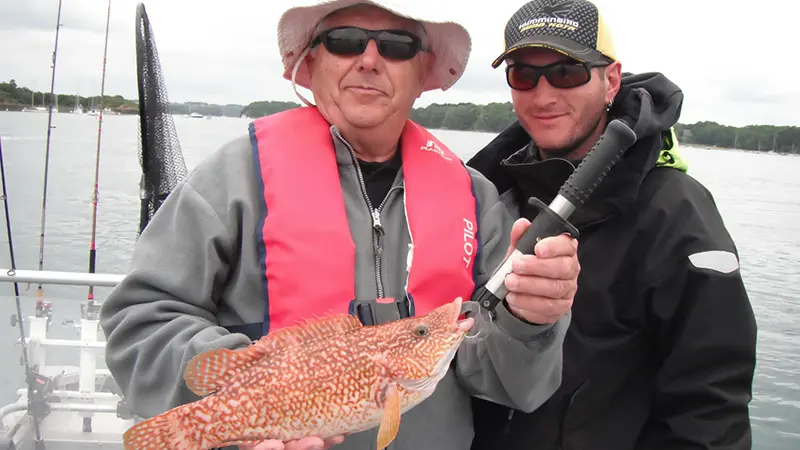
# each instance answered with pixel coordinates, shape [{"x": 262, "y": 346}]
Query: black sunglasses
[
  {"x": 351, "y": 41},
  {"x": 561, "y": 74}
]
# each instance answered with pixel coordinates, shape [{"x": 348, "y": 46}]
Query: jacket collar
[{"x": 528, "y": 176}]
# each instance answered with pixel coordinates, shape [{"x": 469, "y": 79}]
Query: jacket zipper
[
  {"x": 507, "y": 428},
  {"x": 377, "y": 227}
]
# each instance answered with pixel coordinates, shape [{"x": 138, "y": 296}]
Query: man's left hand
[
  {"x": 541, "y": 287},
  {"x": 306, "y": 443}
]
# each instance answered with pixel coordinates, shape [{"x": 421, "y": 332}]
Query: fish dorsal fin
[
  {"x": 310, "y": 330},
  {"x": 206, "y": 373},
  {"x": 209, "y": 371}
]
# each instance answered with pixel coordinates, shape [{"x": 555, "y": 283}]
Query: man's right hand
[{"x": 306, "y": 443}]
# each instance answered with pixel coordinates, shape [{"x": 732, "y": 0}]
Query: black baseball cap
[{"x": 571, "y": 27}]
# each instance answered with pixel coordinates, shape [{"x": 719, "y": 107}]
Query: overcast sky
[{"x": 737, "y": 65}]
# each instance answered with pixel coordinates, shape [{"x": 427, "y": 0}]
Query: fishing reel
[
  {"x": 90, "y": 310},
  {"x": 40, "y": 388},
  {"x": 44, "y": 309}
]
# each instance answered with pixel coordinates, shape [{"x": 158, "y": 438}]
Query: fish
[{"x": 323, "y": 377}]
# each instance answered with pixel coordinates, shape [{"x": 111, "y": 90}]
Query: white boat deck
[
  {"x": 62, "y": 428},
  {"x": 83, "y": 401}
]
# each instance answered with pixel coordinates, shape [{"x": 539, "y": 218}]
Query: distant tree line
[
  {"x": 780, "y": 139},
  {"x": 14, "y": 97},
  {"x": 495, "y": 117},
  {"x": 492, "y": 117}
]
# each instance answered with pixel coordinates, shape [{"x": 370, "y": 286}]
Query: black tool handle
[
  {"x": 552, "y": 220},
  {"x": 579, "y": 186},
  {"x": 598, "y": 162},
  {"x": 547, "y": 223}
]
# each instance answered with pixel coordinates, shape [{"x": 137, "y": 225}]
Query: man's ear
[
  {"x": 612, "y": 80},
  {"x": 427, "y": 62}
]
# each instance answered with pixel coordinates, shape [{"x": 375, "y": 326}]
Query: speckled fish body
[{"x": 326, "y": 377}]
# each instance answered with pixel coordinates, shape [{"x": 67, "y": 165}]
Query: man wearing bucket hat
[
  {"x": 661, "y": 349},
  {"x": 343, "y": 207}
]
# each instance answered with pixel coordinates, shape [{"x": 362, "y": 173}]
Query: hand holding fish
[
  {"x": 542, "y": 286},
  {"x": 306, "y": 443},
  {"x": 309, "y": 385}
]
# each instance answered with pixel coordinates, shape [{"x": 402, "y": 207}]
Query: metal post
[{"x": 37, "y": 339}]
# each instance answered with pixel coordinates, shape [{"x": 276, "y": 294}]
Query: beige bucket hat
[{"x": 449, "y": 41}]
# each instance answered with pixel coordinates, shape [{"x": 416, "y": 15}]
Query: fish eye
[{"x": 421, "y": 330}]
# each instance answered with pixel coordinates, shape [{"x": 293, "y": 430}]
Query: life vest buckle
[{"x": 379, "y": 311}]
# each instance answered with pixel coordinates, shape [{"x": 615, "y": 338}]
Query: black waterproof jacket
[{"x": 661, "y": 350}]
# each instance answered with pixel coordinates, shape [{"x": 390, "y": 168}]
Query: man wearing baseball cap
[
  {"x": 661, "y": 350},
  {"x": 571, "y": 27}
]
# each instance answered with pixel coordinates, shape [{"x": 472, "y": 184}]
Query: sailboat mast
[
  {"x": 95, "y": 192},
  {"x": 39, "y": 292}
]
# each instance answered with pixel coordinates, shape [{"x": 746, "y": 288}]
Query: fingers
[
  {"x": 562, "y": 268},
  {"x": 538, "y": 309},
  {"x": 306, "y": 443},
  {"x": 554, "y": 246},
  {"x": 271, "y": 444},
  {"x": 335, "y": 440},
  {"x": 541, "y": 287},
  {"x": 314, "y": 443},
  {"x": 517, "y": 229},
  {"x": 549, "y": 288},
  {"x": 537, "y": 299},
  {"x": 549, "y": 247}
]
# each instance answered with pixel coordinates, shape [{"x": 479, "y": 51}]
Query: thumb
[{"x": 517, "y": 230}]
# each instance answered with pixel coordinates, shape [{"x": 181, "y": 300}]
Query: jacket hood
[{"x": 648, "y": 102}]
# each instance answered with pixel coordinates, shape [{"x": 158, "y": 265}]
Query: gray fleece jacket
[{"x": 195, "y": 271}]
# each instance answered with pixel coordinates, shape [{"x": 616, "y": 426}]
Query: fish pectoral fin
[
  {"x": 209, "y": 371},
  {"x": 390, "y": 423}
]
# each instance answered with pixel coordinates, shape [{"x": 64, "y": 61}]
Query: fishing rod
[
  {"x": 42, "y": 306},
  {"x": 95, "y": 191},
  {"x": 552, "y": 219},
  {"x": 30, "y": 377}
]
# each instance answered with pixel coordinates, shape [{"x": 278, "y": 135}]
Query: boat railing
[
  {"x": 64, "y": 278},
  {"x": 87, "y": 400}
]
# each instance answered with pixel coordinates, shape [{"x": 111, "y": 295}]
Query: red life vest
[{"x": 308, "y": 260}]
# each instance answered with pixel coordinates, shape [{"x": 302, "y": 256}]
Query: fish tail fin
[{"x": 164, "y": 431}]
